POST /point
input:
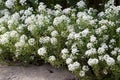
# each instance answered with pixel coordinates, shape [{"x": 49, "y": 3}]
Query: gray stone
[{"x": 44, "y": 72}]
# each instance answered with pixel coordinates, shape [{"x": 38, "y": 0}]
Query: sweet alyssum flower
[
  {"x": 60, "y": 19},
  {"x": 82, "y": 73},
  {"x": 41, "y": 7},
  {"x": 10, "y": 3},
  {"x": 92, "y": 38},
  {"x": 110, "y": 61},
  {"x": 69, "y": 61},
  {"x": 22, "y": 2},
  {"x": 118, "y": 57},
  {"x": 85, "y": 68},
  {"x": 64, "y": 51},
  {"x": 52, "y": 58},
  {"x": 81, "y": 4},
  {"x": 93, "y": 61},
  {"x": 101, "y": 50},
  {"x": 91, "y": 51},
  {"x": 74, "y": 51},
  {"x": 53, "y": 40},
  {"x": 42, "y": 51},
  {"x": 90, "y": 45},
  {"x": 23, "y": 37},
  {"x": 19, "y": 44},
  {"x": 44, "y": 39},
  {"x": 118, "y": 30},
  {"x": 73, "y": 66},
  {"x": 85, "y": 32},
  {"x": 31, "y": 41},
  {"x": 14, "y": 34},
  {"x": 54, "y": 33},
  {"x": 67, "y": 10}
]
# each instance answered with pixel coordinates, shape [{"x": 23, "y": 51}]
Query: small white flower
[
  {"x": 20, "y": 28},
  {"x": 64, "y": 56},
  {"x": 90, "y": 45},
  {"x": 67, "y": 10},
  {"x": 41, "y": 7},
  {"x": 106, "y": 56},
  {"x": 23, "y": 37},
  {"x": 31, "y": 41},
  {"x": 71, "y": 35},
  {"x": 116, "y": 49},
  {"x": 77, "y": 36},
  {"x": 91, "y": 51},
  {"x": 2, "y": 29},
  {"x": 57, "y": 12},
  {"x": 14, "y": 34},
  {"x": 57, "y": 6},
  {"x": 105, "y": 72},
  {"x": 103, "y": 27},
  {"x": 85, "y": 68},
  {"x": 70, "y": 28},
  {"x": 64, "y": 51},
  {"x": 71, "y": 67},
  {"x": 118, "y": 30},
  {"x": 69, "y": 61},
  {"x": 93, "y": 38},
  {"x": 81, "y": 4},
  {"x": 22, "y": 2},
  {"x": 110, "y": 61},
  {"x": 60, "y": 19},
  {"x": 53, "y": 40},
  {"x": 52, "y": 58},
  {"x": 114, "y": 52},
  {"x": 44, "y": 39},
  {"x": 54, "y": 33},
  {"x": 31, "y": 28},
  {"x": 9, "y": 3},
  {"x": 19, "y": 44},
  {"x": 101, "y": 14},
  {"x": 98, "y": 31},
  {"x": 93, "y": 61},
  {"x": 42, "y": 51},
  {"x": 28, "y": 11},
  {"x": 101, "y": 50},
  {"x": 82, "y": 73},
  {"x": 50, "y": 28},
  {"x": 104, "y": 46},
  {"x": 118, "y": 58},
  {"x": 105, "y": 37},
  {"x": 4, "y": 38},
  {"x": 74, "y": 66},
  {"x": 112, "y": 41},
  {"x": 74, "y": 50},
  {"x": 85, "y": 32}
]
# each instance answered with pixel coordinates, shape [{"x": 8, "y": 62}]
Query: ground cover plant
[{"x": 80, "y": 39}]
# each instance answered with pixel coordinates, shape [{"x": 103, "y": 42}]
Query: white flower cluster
[
  {"x": 42, "y": 51},
  {"x": 60, "y": 19},
  {"x": 73, "y": 66},
  {"x": 10, "y": 3},
  {"x": 80, "y": 38},
  {"x": 22, "y": 2}
]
